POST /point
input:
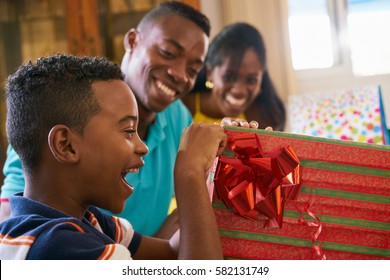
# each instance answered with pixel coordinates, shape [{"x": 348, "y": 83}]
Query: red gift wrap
[
  {"x": 253, "y": 182},
  {"x": 285, "y": 196}
]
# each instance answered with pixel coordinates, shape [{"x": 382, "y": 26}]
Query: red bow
[{"x": 254, "y": 183}]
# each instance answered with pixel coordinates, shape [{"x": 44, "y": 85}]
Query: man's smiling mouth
[{"x": 165, "y": 89}]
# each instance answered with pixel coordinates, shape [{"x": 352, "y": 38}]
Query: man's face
[
  {"x": 111, "y": 147},
  {"x": 164, "y": 60}
]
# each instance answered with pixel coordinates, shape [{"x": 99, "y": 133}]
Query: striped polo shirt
[{"x": 37, "y": 231}]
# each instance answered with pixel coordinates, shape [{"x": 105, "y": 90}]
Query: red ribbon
[
  {"x": 316, "y": 242},
  {"x": 255, "y": 183}
]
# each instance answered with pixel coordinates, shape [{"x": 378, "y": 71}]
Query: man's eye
[
  {"x": 166, "y": 54},
  {"x": 193, "y": 72}
]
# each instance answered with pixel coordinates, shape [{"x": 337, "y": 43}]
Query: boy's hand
[{"x": 200, "y": 144}]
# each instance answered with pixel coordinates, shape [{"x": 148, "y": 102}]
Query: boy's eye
[{"x": 130, "y": 132}]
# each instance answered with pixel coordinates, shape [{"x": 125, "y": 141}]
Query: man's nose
[{"x": 178, "y": 72}]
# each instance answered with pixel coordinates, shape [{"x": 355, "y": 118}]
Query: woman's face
[{"x": 235, "y": 89}]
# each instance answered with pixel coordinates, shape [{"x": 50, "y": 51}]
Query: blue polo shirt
[
  {"x": 14, "y": 178},
  {"x": 147, "y": 207}
]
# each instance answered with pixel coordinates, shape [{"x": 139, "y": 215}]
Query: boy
[
  {"x": 73, "y": 122},
  {"x": 163, "y": 56}
]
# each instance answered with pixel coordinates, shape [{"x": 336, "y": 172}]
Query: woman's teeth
[
  {"x": 165, "y": 89},
  {"x": 234, "y": 101}
]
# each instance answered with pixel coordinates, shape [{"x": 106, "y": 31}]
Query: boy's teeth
[
  {"x": 165, "y": 89},
  {"x": 132, "y": 170},
  {"x": 235, "y": 101}
]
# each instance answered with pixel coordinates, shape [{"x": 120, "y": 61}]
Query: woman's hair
[{"x": 232, "y": 43}]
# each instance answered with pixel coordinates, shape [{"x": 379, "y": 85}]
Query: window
[
  {"x": 310, "y": 34},
  {"x": 322, "y": 30},
  {"x": 368, "y": 23}
]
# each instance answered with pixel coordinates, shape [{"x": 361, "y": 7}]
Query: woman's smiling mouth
[{"x": 235, "y": 101}]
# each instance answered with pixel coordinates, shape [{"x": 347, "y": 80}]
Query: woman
[{"x": 235, "y": 81}]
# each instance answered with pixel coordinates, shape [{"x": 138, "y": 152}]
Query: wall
[{"x": 213, "y": 10}]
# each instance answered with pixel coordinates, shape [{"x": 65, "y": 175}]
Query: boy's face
[
  {"x": 111, "y": 147},
  {"x": 164, "y": 61}
]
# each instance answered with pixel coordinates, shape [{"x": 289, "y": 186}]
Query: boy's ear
[
  {"x": 129, "y": 41},
  {"x": 63, "y": 144}
]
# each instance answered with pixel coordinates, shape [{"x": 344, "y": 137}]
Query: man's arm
[
  {"x": 169, "y": 227},
  {"x": 152, "y": 248}
]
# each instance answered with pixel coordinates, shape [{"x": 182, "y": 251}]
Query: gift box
[
  {"x": 341, "y": 208},
  {"x": 351, "y": 114}
]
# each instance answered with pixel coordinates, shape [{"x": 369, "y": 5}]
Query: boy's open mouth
[{"x": 124, "y": 173}]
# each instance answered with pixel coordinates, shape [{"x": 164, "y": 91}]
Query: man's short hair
[
  {"x": 176, "y": 8},
  {"x": 56, "y": 89}
]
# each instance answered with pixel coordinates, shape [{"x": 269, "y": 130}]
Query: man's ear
[
  {"x": 129, "y": 41},
  {"x": 63, "y": 144}
]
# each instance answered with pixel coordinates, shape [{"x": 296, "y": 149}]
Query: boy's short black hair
[
  {"x": 56, "y": 89},
  {"x": 180, "y": 9}
]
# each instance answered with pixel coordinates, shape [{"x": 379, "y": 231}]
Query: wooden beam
[
  {"x": 193, "y": 3},
  {"x": 82, "y": 25}
]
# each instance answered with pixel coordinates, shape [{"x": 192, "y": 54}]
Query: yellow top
[{"x": 200, "y": 117}]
